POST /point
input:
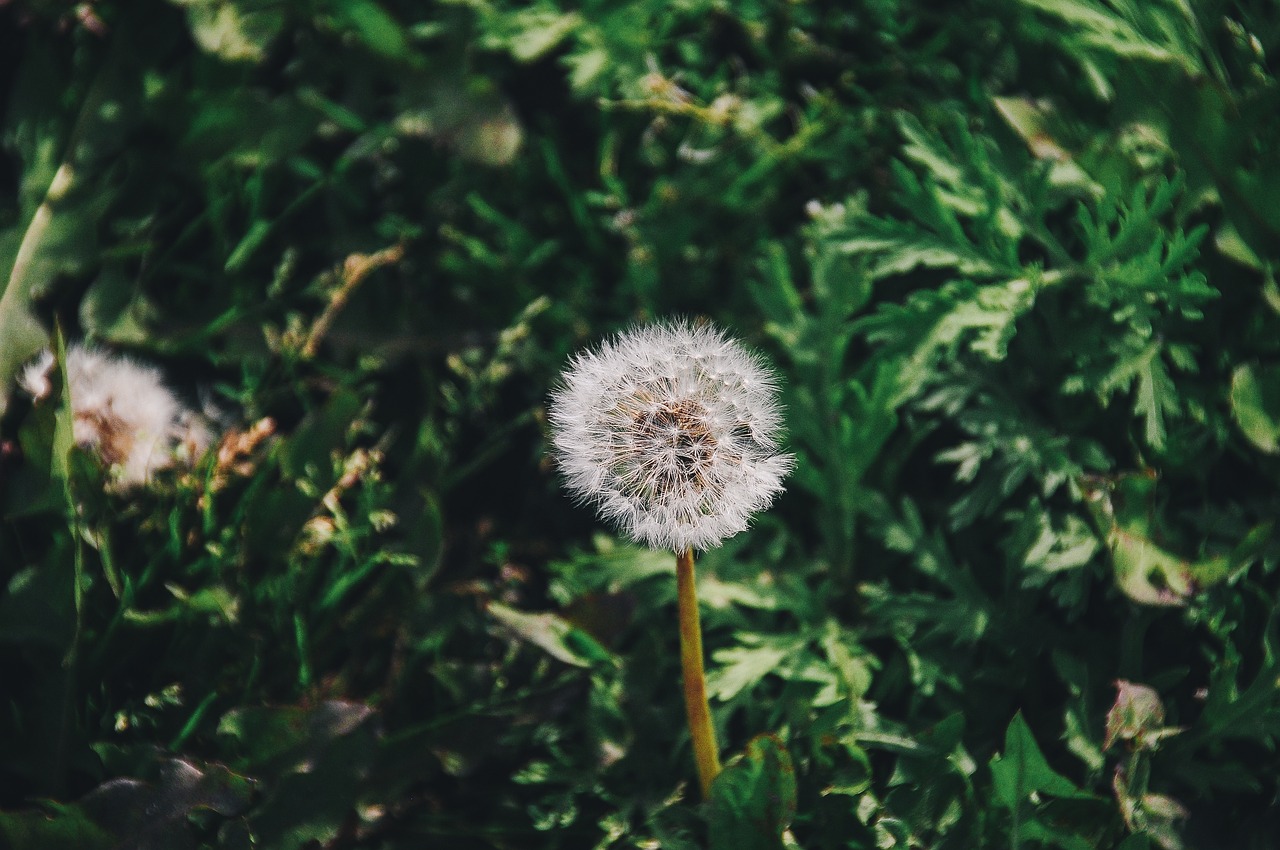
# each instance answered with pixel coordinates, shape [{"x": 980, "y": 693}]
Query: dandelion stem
[{"x": 705, "y": 751}]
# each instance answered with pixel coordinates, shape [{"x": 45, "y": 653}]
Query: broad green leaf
[
  {"x": 551, "y": 633},
  {"x": 1152, "y": 575},
  {"x": 754, "y": 798},
  {"x": 1021, "y": 770},
  {"x": 1148, "y": 572},
  {"x": 1231, "y": 243},
  {"x": 1255, "y": 403},
  {"x": 64, "y": 195},
  {"x": 1038, "y": 124},
  {"x": 22, "y": 333},
  {"x": 325, "y": 431}
]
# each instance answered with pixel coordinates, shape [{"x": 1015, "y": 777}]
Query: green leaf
[
  {"x": 1147, "y": 573},
  {"x": 57, "y": 828},
  {"x": 1251, "y": 713},
  {"x": 613, "y": 568},
  {"x": 551, "y": 633},
  {"x": 234, "y": 30},
  {"x": 741, "y": 667},
  {"x": 281, "y": 739},
  {"x": 1135, "y": 36},
  {"x": 1021, "y": 770},
  {"x": 538, "y": 31},
  {"x": 900, "y": 247},
  {"x": 22, "y": 333},
  {"x": 115, "y": 310},
  {"x": 775, "y": 293},
  {"x": 1255, "y": 403},
  {"x": 208, "y": 604},
  {"x": 754, "y": 798},
  {"x": 251, "y": 241},
  {"x": 131, "y": 813},
  {"x": 312, "y": 762},
  {"x": 374, "y": 26},
  {"x": 934, "y": 325},
  {"x": 322, "y": 433}
]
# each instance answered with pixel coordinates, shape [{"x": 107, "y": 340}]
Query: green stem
[{"x": 705, "y": 752}]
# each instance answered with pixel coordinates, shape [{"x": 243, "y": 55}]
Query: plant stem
[
  {"x": 349, "y": 275},
  {"x": 705, "y": 752}
]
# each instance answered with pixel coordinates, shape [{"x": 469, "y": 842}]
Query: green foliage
[
  {"x": 754, "y": 799},
  {"x": 1015, "y": 262},
  {"x": 1021, "y": 777}
]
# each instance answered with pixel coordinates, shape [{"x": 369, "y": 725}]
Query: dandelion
[
  {"x": 672, "y": 432},
  {"x": 123, "y": 414}
]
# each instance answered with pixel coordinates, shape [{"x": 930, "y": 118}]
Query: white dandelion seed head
[
  {"x": 123, "y": 413},
  {"x": 671, "y": 430}
]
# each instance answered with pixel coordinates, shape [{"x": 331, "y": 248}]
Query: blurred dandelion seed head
[
  {"x": 672, "y": 432},
  {"x": 123, "y": 413}
]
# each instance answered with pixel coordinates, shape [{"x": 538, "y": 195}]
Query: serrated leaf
[
  {"x": 1102, "y": 28},
  {"x": 743, "y": 666},
  {"x": 774, "y": 291},
  {"x": 896, "y": 248}
]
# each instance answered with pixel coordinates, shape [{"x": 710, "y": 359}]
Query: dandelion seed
[
  {"x": 671, "y": 431},
  {"x": 123, "y": 413}
]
